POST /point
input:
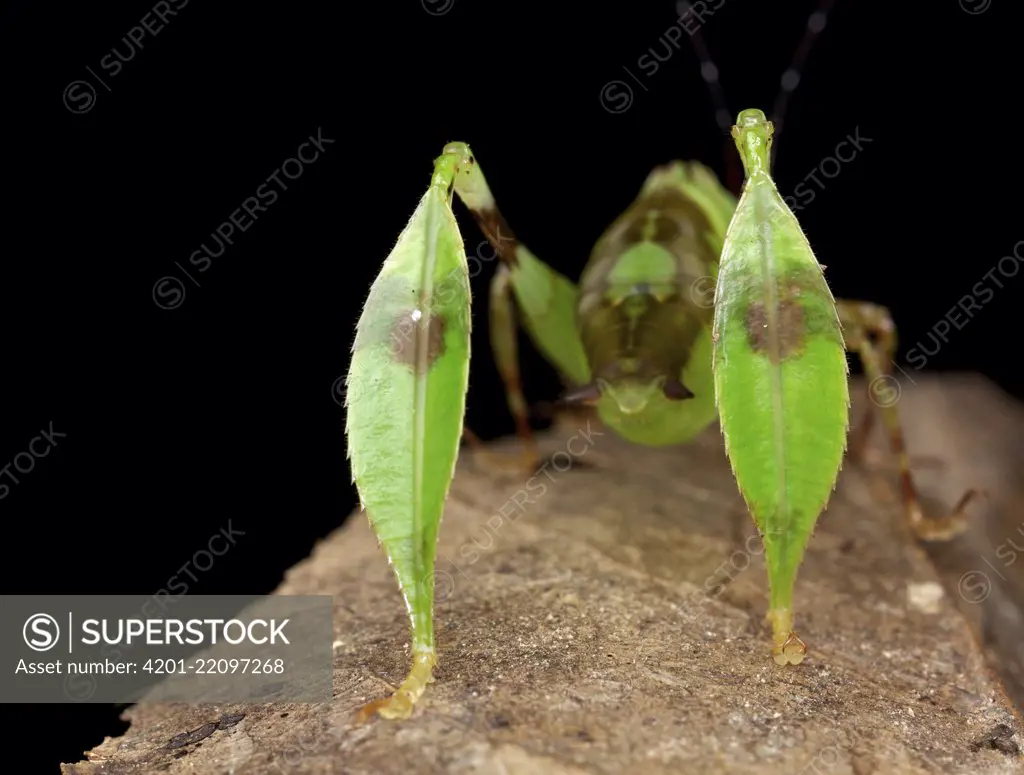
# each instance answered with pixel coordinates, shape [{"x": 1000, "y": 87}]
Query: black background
[{"x": 223, "y": 411}]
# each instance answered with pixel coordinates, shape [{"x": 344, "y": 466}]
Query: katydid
[{"x": 637, "y": 340}]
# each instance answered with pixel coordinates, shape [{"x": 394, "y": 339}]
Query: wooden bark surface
[{"x": 615, "y": 625}]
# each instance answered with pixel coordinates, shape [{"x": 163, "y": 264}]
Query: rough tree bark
[{"x": 615, "y": 626}]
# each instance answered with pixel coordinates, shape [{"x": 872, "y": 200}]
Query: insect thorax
[{"x": 646, "y": 293}]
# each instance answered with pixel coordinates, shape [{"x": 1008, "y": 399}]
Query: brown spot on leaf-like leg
[
  {"x": 789, "y": 325},
  {"x": 407, "y": 332}
]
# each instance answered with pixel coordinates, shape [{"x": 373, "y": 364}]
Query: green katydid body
[
  {"x": 635, "y": 336},
  {"x": 645, "y": 330}
]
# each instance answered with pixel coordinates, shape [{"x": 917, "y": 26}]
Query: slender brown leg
[
  {"x": 861, "y": 321},
  {"x": 503, "y": 333},
  {"x": 503, "y": 343}
]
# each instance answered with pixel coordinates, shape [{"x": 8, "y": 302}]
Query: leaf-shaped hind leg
[
  {"x": 863, "y": 322},
  {"x": 405, "y": 400},
  {"x": 781, "y": 380}
]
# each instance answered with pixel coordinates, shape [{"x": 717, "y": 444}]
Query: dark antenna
[
  {"x": 709, "y": 72},
  {"x": 790, "y": 79}
]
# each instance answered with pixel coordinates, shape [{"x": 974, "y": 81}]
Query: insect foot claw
[
  {"x": 788, "y": 649},
  {"x": 400, "y": 704},
  {"x": 790, "y": 652},
  {"x": 948, "y": 527}
]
